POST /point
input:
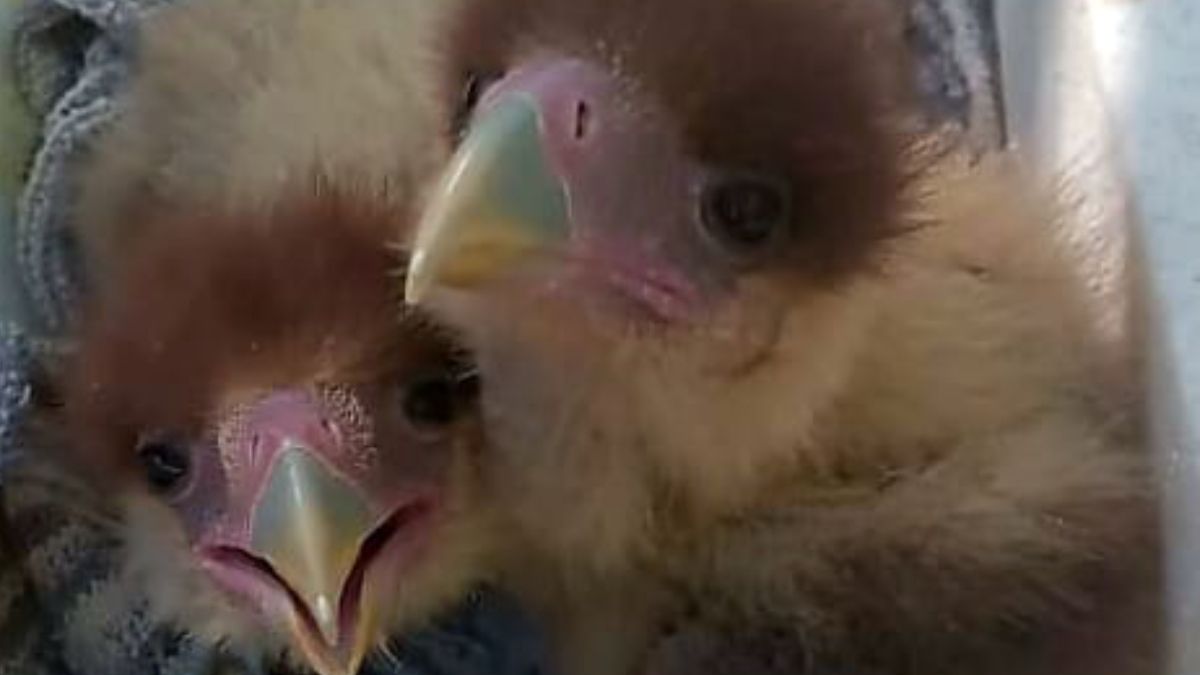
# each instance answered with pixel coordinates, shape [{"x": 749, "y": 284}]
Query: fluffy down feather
[
  {"x": 241, "y": 343},
  {"x": 767, "y": 391}
]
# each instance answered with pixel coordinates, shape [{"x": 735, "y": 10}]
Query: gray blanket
[{"x": 63, "y": 610}]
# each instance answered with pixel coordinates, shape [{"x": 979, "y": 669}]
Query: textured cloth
[
  {"x": 66, "y": 612},
  {"x": 958, "y": 69},
  {"x": 69, "y": 64},
  {"x": 18, "y": 126},
  {"x": 63, "y": 609}
]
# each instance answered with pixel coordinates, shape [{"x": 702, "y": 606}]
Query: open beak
[
  {"x": 310, "y": 527},
  {"x": 307, "y": 534},
  {"x": 498, "y": 204}
]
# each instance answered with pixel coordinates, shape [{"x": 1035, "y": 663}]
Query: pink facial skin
[
  {"x": 331, "y": 428},
  {"x": 623, "y": 168}
]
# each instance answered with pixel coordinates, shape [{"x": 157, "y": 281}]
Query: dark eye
[
  {"x": 166, "y": 463},
  {"x": 744, "y": 215},
  {"x": 436, "y": 401},
  {"x": 474, "y": 86}
]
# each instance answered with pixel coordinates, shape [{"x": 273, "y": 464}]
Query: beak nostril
[
  {"x": 330, "y": 428},
  {"x": 582, "y": 120}
]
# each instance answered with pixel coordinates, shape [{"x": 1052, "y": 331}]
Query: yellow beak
[
  {"x": 310, "y": 526},
  {"x": 497, "y": 204}
]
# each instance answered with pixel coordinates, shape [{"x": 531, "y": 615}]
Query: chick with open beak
[
  {"x": 307, "y": 524},
  {"x": 297, "y": 464}
]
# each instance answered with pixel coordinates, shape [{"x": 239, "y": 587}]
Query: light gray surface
[
  {"x": 1118, "y": 83},
  {"x": 1149, "y": 57}
]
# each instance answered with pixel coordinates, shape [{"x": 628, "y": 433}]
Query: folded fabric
[{"x": 18, "y": 124}]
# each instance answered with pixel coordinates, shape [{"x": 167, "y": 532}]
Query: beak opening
[
  {"x": 327, "y": 658},
  {"x": 358, "y": 615},
  {"x": 315, "y": 537},
  {"x": 498, "y": 204}
]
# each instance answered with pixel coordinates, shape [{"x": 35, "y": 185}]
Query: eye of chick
[
  {"x": 474, "y": 85},
  {"x": 436, "y": 401},
  {"x": 743, "y": 215},
  {"x": 166, "y": 463}
]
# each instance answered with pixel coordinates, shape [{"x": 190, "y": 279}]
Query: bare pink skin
[
  {"x": 630, "y": 189},
  {"x": 331, "y": 425}
]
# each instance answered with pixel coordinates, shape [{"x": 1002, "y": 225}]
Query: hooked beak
[
  {"x": 498, "y": 204},
  {"x": 310, "y": 527},
  {"x": 305, "y": 538}
]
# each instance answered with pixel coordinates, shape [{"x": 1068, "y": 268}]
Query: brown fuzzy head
[
  {"x": 657, "y": 231},
  {"x": 296, "y": 458},
  {"x": 806, "y": 95}
]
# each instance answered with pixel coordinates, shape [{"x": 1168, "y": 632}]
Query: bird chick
[
  {"x": 295, "y": 465},
  {"x": 746, "y": 364},
  {"x": 293, "y": 458}
]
